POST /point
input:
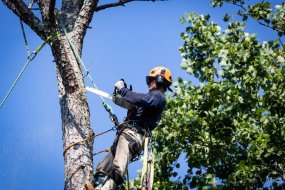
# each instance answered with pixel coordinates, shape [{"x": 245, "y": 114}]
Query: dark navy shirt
[{"x": 148, "y": 107}]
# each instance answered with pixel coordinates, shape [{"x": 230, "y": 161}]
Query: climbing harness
[{"x": 31, "y": 56}]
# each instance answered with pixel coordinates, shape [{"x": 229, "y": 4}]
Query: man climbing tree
[
  {"x": 141, "y": 119},
  {"x": 64, "y": 30}
]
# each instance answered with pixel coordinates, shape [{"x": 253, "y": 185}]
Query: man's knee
[
  {"x": 105, "y": 164},
  {"x": 115, "y": 175}
]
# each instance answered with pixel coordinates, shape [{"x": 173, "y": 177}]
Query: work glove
[
  {"x": 120, "y": 84},
  {"x": 117, "y": 98}
]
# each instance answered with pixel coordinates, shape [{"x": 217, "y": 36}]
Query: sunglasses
[{"x": 149, "y": 79}]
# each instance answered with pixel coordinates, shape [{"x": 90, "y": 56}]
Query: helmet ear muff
[{"x": 160, "y": 81}]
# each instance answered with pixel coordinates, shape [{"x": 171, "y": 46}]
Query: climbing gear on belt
[
  {"x": 162, "y": 77},
  {"x": 139, "y": 130}
]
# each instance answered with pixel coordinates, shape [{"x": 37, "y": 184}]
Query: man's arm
[{"x": 140, "y": 99}]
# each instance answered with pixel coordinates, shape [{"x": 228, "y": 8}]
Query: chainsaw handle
[{"x": 125, "y": 84}]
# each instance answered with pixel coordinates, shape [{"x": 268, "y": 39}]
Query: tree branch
[
  {"x": 26, "y": 15},
  {"x": 84, "y": 18},
  {"x": 47, "y": 11},
  {"x": 280, "y": 41},
  {"x": 69, "y": 12},
  {"x": 278, "y": 30},
  {"x": 119, "y": 3},
  {"x": 71, "y": 9},
  {"x": 270, "y": 26}
]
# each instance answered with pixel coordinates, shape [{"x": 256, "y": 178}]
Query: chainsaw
[{"x": 115, "y": 97}]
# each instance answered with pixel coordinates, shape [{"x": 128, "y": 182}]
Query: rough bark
[
  {"x": 78, "y": 160},
  {"x": 47, "y": 12}
]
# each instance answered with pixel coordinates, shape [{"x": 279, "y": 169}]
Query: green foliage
[
  {"x": 262, "y": 12},
  {"x": 232, "y": 126}
]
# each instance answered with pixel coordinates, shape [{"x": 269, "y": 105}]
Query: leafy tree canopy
[{"x": 231, "y": 128}]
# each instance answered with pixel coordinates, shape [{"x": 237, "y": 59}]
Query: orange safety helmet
[{"x": 162, "y": 76}]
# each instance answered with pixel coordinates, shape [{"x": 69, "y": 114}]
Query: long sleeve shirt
[{"x": 148, "y": 107}]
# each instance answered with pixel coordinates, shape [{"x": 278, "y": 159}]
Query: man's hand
[{"x": 120, "y": 84}]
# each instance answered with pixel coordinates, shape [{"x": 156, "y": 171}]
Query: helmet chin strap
[{"x": 152, "y": 85}]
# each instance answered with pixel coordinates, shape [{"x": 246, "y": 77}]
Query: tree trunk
[{"x": 78, "y": 160}]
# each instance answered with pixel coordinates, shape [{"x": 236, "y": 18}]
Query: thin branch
[
  {"x": 239, "y": 5},
  {"x": 269, "y": 26},
  {"x": 119, "y": 3},
  {"x": 258, "y": 21},
  {"x": 281, "y": 42},
  {"x": 47, "y": 11},
  {"x": 22, "y": 11}
]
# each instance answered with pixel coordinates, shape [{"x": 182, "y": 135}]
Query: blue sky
[{"x": 124, "y": 42}]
